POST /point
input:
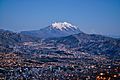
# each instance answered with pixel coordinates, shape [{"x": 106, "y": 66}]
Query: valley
[{"x": 78, "y": 56}]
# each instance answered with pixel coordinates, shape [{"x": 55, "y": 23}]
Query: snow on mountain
[
  {"x": 64, "y": 25},
  {"x": 57, "y": 29}
]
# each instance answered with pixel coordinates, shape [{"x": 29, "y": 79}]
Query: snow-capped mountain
[
  {"x": 57, "y": 29},
  {"x": 63, "y": 26}
]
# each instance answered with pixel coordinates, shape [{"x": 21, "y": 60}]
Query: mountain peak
[
  {"x": 57, "y": 29},
  {"x": 63, "y": 25}
]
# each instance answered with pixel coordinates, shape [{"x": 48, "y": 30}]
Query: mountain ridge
[
  {"x": 9, "y": 39},
  {"x": 89, "y": 43}
]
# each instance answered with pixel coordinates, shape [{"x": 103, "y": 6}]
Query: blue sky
[{"x": 92, "y": 16}]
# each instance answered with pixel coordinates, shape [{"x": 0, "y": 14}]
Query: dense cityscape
[{"x": 41, "y": 61}]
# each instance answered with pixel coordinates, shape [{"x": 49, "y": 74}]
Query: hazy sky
[{"x": 92, "y": 16}]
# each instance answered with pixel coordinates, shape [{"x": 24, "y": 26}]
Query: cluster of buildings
[{"x": 32, "y": 61}]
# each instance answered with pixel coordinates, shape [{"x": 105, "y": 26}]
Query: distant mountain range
[
  {"x": 66, "y": 34},
  {"x": 57, "y": 29}
]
